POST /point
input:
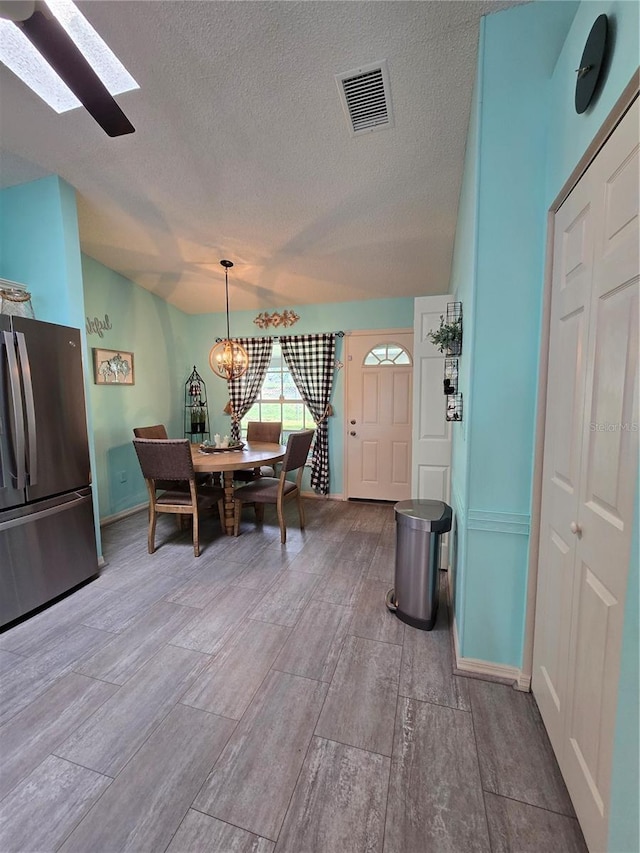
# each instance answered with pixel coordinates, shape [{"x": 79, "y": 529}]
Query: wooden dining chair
[
  {"x": 276, "y": 490},
  {"x": 169, "y": 461},
  {"x": 268, "y": 431}
]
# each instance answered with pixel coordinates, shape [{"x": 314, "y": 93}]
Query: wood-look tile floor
[{"x": 261, "y": 698}]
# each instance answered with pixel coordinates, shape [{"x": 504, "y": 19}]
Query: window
[
  {"x": 279, "y": 399},
  {"x": 387, "y": 354}
]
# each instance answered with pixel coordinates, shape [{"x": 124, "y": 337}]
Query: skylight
[{"x": 21, "y": 57}]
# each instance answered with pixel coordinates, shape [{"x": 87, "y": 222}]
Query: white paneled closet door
[{"x": 589, "y": 475}]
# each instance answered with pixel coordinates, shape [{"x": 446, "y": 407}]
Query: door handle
[
  {"x": 353, "y": 432},
  {"x": 29, "y": 408},
  {"x": 352, "y": 423},
  {"x": 575, "y": 528},
  {"x": 16, "y": 405}
]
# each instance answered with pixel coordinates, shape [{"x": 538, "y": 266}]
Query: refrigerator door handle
[
  {"x": 29, "y": 407},
  {"x": 16, "y": 405}
]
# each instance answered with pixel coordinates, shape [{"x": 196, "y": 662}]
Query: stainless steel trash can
[{"x": 419, "y": 524}]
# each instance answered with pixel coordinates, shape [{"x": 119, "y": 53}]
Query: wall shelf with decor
[
  {"x": 448, "y": 339},
  {"x": 196, "y": 410},
  {"x": 448, "y": 336}
]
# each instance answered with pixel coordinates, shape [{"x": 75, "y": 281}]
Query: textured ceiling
[{"x": 242, "y": 149}]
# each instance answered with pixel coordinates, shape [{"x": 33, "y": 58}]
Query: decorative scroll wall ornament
[
  {"x": 98, "y": 326},
  {"x": 286, "y": 318}
]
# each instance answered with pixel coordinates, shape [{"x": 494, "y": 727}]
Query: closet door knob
[
  {"x": 353, "y": 432},
  {"x": 575, "y": 528}
]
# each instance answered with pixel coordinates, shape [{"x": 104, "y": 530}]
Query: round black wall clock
[{"x": 591, "y": 63}]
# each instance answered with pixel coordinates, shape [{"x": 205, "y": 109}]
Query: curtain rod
[
  {"x": 337, "y": 334},
  {"x": 277, "y": 337}
]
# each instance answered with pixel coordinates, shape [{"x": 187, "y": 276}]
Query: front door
[{"x": 378, "y": 417}]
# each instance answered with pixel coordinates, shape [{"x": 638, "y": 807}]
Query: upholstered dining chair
[
  {"x": 160, "y": 431},
  {"x": 268, "y": 431},
  {"x": 169, "y": 460},
  {"x": 276, "y": 490},
  {"x": 155, "y": 431}
]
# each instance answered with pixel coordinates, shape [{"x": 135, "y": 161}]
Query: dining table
[{"x": 227, "y": 460}]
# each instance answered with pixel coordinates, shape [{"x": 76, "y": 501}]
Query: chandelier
[{"x": 228, "y": 359}]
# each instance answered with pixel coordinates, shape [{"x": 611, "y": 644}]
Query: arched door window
[{"x": 387, "y": 355}]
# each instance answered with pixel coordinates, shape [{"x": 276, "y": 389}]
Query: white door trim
[{"x": 608, "y": 126}]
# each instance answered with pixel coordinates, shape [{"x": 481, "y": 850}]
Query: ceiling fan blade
[
  {"x": 50, "y": 39},
  {"x": 16, "y": 10}
]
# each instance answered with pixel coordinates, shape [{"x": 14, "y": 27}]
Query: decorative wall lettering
[{"x": 98, "y": 326}]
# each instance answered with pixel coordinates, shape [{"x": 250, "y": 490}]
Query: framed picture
[{"x": 112, "y": 367}]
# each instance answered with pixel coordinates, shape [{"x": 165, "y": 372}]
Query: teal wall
[
  {"x": 159, "y": 337},
  {"x": 572, "y": 133},
  {"x": 38, "y": 227},
  {"x": 40, "y": 247},
  {"x": 328, "y": 317},
  {"x": 527, "y": 139},
  {"x": 497, "y": 273}
]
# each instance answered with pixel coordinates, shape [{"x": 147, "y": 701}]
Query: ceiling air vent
[{"x": 366, "y": 98}]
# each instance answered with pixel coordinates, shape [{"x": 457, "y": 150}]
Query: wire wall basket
[
  {"x": 454, "y": 312},
  {"x": 454, "y": 407},
  {"x": 450, "y": 376}
]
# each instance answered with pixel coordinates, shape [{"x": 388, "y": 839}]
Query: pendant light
[{"x": 228, "y": 359}]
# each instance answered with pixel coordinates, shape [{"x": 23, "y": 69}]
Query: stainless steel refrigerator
[{"x": 47, "y": 537}]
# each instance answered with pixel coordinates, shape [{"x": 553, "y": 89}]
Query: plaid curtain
[
  {"x": 310, "y": 359},
  {"x": 244, "y": 390}
]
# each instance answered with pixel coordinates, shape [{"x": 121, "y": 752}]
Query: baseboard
[
  {"x": 484, "y": 669},
  {"x": 110, "y": 519},
  {"x": 524, "y": 682},
  {"x": 334, "y": 496}
]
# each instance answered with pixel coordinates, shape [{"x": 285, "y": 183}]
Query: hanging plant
[{"x": 448, "y": 338}]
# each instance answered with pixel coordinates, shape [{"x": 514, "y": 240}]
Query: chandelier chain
[{"x": 228, "y": 359}]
